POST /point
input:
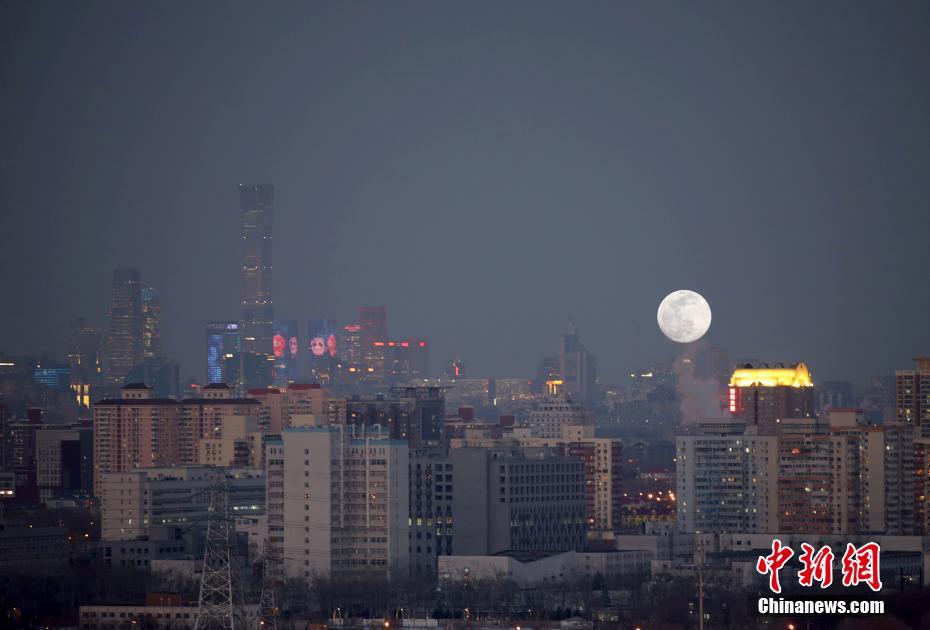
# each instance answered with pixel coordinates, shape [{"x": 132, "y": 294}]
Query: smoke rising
[{"x": 700, "y": 397}]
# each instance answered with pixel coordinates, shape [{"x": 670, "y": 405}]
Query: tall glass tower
[
  {"x": 224, "y": 342},
  {"x": 257, "y": 202},
  {"x": 151, "y": 323},
  {"x": 124, "y": 347}
]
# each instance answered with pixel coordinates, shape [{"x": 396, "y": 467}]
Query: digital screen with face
[
  {"x": 323, "y": 339},
  {"x": 285, "y": 347},
  {"x": 277, "y": 343}
]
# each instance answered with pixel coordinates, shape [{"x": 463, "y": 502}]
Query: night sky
[{"x": 483, "y": 169}]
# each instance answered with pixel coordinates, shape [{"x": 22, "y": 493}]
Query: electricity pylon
[
  {"x": 267, "y": 605},
  {"x": 214, "y": 609}
]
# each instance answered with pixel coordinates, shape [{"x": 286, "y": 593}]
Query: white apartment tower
[
  {"x": 727, "y": 480},
  {"x": 345, "y": 500}
]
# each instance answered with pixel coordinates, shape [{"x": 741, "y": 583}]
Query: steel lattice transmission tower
[
  {"x": 215, "y": 610},
  {"x": 268, "y": 606}
]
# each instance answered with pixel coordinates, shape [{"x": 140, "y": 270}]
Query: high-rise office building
[
  {"x": 85, "y": 351},
  {"x": 224, "y": 341},
  {"x": 64, "y": 461},
  {"x": 151, "y": 323},
  {"x": 350, "y": 351},
  {"x": 577, "y": 366},
  {"x": 479, "y": 501},
  {"x": 377, "y": 356},
  {"x": 248, "y": 370},
  {"x": 162, "y": 375},
  {"x": 524, "y": 499},
  {"x": 124, "y": 347},
  {"x": 410, "y": 360},
  {"x": 764, "y": 396},
  {"x": 373, "y": 320},
  {"x": 257, "y": 203}
]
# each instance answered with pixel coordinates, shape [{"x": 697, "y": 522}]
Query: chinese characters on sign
[{"x": 859, "y": 565}]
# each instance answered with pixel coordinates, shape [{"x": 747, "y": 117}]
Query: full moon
[{"x": 684, "y": 316}]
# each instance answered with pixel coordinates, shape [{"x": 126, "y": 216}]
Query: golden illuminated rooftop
[{"x": 795, "y": 376}]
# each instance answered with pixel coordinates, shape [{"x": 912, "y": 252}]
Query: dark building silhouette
[
  {"x": 414, "y": 414},
  {"x": 85, "y": 352},
  {"x": 576, "y": 365},
  {"x": 124, "y": 346},
  {"x": 257, "y": 203},
  {"x": 455, "y": 369}
]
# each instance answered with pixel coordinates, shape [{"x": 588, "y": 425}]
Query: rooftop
[{"x": 779, "y": 376}]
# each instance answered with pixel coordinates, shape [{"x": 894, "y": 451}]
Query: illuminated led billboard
[
  {"x": 324, "y": 349},
  {"x": 286, "y": 348},
  {"x": 323, "y": 339}
]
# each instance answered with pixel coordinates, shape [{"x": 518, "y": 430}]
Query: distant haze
[{"x": 483, "y": 169}]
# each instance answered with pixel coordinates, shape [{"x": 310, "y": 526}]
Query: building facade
[
  {"x": 224, "y": 343},
  {"x": 345, "y": 502},
  {"x": 549, "y": 418},
  {"x": 134, "y": 502},
  {"x": 763, "y": 396}
]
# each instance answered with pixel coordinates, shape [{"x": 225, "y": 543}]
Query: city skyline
[
  {"x": 731, "y": 156},
  {"x": 538, "y": 314}
]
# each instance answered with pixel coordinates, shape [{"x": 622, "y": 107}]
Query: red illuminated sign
[{"x": 734, "y": 400}]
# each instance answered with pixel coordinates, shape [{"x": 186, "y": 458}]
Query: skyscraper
[
  {"x": 125, "y": 341},
  {"x": 151, "y": 323},
  {"x": 257, "y": 202},
  {"x": 409, "y": 360},
  {"x": 576, "y": 365},
  {"x": 224, "y": 341},
  {"x": 373, "y": 320},
  {"x": 350, "y": 344},
  {"x": 85, "y": 350}
]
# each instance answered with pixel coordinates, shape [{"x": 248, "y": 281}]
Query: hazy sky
[{"x": 484, "y": 169}]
